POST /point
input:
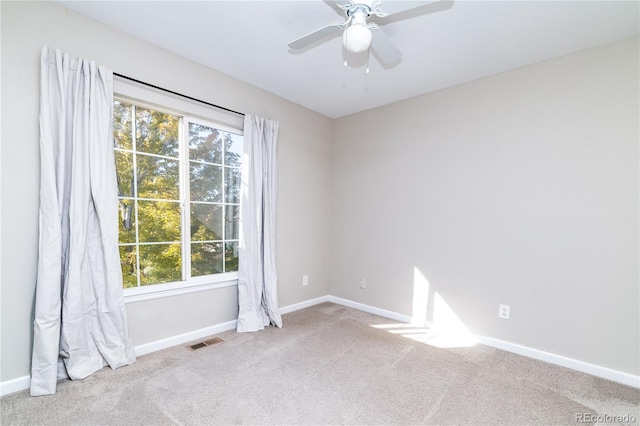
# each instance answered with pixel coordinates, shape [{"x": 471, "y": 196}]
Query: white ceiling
[{"x": 444, "y": 43}]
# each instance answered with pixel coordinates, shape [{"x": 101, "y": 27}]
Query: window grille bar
[{"x": 178, "y": 94}]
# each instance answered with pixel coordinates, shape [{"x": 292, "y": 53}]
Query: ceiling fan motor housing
[{"x": 359, "y": 11}]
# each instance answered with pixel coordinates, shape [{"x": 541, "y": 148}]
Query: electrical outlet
[
  {"x": 305, "y": 280},
  {"x": 363, "y": 283},
  {"x": 504, "y": 311}
]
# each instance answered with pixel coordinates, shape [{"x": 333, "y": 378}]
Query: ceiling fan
[{"x": 358, "y": 35}]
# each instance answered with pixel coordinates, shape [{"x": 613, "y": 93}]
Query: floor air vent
[{"x": 205, "y": 343}]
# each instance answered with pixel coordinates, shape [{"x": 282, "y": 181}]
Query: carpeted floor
[{"x": 328, "y": 365}]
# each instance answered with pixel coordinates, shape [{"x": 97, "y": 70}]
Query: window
[{"x": 179, "y": 195}]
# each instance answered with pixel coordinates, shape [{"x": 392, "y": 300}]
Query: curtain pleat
[
  {"x": 257, "y": 277},
  {"x": 80, "y": 320}
]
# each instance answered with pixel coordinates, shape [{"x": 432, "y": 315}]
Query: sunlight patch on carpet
[{"x": 445, "y": 331}]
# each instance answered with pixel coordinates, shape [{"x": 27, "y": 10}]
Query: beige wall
[
  {"x": 520, "y": 189},
  {"x": 303, "y": 169}
]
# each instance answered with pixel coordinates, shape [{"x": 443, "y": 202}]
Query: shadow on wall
[{"x": 445, "y": 331}]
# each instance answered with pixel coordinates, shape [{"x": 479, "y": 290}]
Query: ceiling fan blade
[
  {"x": 317, "y": 35},
  {"x": 339, "y": 5},
  {"x": 387, "y": 8},
  {"x": 382, "y": 45}
]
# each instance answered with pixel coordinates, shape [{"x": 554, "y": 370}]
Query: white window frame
[{"x": 189, "y": 111}]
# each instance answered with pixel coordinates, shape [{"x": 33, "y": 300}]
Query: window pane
[
  {"x": 160, "y": 263},
  {"x": 232, "y": 184},
  {"x": 127, "y": 225},
  {"x": 156, "y": 132},
  {"x": 232, "y": 149},
  {"x": 158, "y": 177},
  {"x": 128, "y": 264},
  {"x": 206, "y": 258},
  {"x": 206, "y": 182},
  {"x": 124, "y": 173},
  {"x": 122, "y": 125},
  {"x": 149, "y": 165},
  {"x": 231, "y": 222},
  {"x": 159, "y": 221},
  {"x": 206, "y": 222},
  {"x": 205, "y": 143},
  {"x": 231, "y": 257}
]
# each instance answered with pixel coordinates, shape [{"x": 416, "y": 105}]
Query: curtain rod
[{"x": 178, "y": 94}]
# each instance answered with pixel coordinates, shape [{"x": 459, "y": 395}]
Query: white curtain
[
  {"x": 257, "y": 282},
  {"x": 80, "y": 321}
]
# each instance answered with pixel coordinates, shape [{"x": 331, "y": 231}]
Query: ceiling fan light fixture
[
  {"x": 357, "y": 38},
  {"x": 357, "y": 35}
]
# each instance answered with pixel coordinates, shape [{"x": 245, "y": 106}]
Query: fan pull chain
[{"x": 368, "y": 56}]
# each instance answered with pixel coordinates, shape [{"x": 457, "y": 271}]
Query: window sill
[{"x": 158, "y": 291}]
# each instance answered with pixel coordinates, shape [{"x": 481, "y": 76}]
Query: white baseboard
[
  {"x": 345, "y": 302},
  {"x": 370, "y": 309},
  {"x": 184, "y": 338},
  {"x": 21, "y": 383},
  {"x": 563, "y": 361},
  {"x": 307, "y": 303},
  {"x": 15, "y": 385}
]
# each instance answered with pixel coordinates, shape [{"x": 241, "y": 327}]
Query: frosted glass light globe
[{"x": 357, "y": 38}]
